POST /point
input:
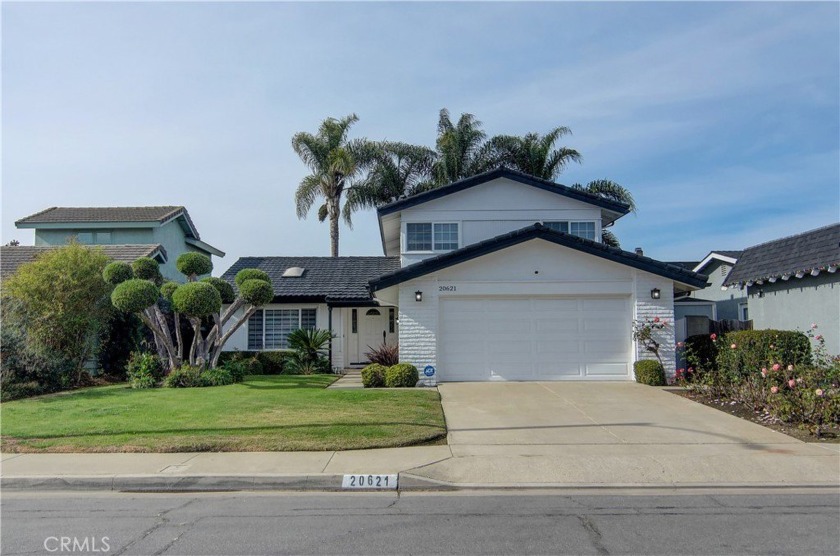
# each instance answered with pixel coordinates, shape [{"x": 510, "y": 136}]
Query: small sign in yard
[
  {"x": 367, "y": 481},
  {"x": 429, "y": 371}
]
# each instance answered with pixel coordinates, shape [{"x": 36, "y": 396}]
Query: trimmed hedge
[
  {"x": 225, "y": 289},
  {"x": 402, "y": 375},
  {"x": 650, "y": 372},
  {"x": 755, "y": 349},
  {"x": 167, "y": 289},
  {"x": 146, "y": 268},
  {"x": 132, "y": 296},
  {"x": 251, "y": 274},
  {"x": 701, "y": 351},
  {"x": 144, "y": 370},
  {"x": 185, "y": 377},
  {"x": 194, "y": 264},
  {"x": 259, "y": 362},
  {"x": 196, "y": 299},
  {"x": 256, "y": 292},
  {"x": 373, "y": 376},
  {"x": 117, "y": 272}
]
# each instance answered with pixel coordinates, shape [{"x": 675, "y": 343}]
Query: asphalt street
[{"x": 518, "y": 522}]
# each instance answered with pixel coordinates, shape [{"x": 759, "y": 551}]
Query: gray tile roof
[
  {"x": 730, "y": 254},
  {"x": 324, "y": 278},
  {"x": 83, "y": 215},
  {"x": 816, "y": 249},
  {"x": 11, "y": 257},
  {"x": 688, "y": 265}
]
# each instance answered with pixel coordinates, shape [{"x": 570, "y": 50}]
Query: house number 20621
[
  {"x": 447, "y": 288},
  {"x": 369, "y": 481}
]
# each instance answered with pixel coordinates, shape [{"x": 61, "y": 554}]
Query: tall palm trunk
[{"x": 333, "y": 212}]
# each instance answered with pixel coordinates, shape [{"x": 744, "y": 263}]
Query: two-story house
[
  {"x": 161, "y": 232},
  {"x": 501, "y": 276},
  {"x": 716, "y": 301}
]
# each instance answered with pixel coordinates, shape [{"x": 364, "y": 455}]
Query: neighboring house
[
  {"x": 501, "y": 276},
  {"x": 12, "y": 256},
  {"x": 170, "y": 228},
  {"x": 793, "y": 282},
  {"x": 715, "y": 301}
]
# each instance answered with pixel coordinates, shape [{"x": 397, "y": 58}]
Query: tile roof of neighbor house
[
  {"x": 688, "y": 265},
  {"x": 676, "y": 273},
  {"x": 613, "y": 206},
  {"x": 12, "y": 256},
  {"x": 82, "y": 215},
  {"x": 813, "y": 250},
  {"x": 330, "y": 279}
]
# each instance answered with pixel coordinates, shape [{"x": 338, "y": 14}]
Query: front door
[{"x": 373, "y": 329}]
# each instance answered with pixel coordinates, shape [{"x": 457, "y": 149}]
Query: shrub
[
  {"x": 132, "y": 296},
  {"x": 117, "y": 273},
  {"x": 373, "y": 376},
  {"x": 250, "y": 274},
  {"x": 146, "y": 268},
  {"x": 385, "y": 354},
  {"x": 216, "y": 377},
  {"x": 196, "y": 299},
  {"x": 256, "y": 292},
  {"x": 194, "y": 264},
  {"x": 167, "y": 289},
  {"x": 144, "y": 370},
  {"x": 649, "y": 372},
  {"x": 807, "y": 396},
  {"x": 401, "y": 375},
  {"x": 756, "y": 349},
  {"x": 225, "y": 289},
  {"x": 185, "y": 377},
  {"x": 123, "y": 334},
  {"x": 701, "y": 352},
  {"x": 272, "y": 362},
  {"x": 238, "y": 369}
]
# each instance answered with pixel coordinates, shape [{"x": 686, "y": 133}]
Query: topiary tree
[
  {"x": 195, "y": 300},
  {"x": 146, "y": 268}
]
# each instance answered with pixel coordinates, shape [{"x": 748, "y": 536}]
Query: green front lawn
[{"x": 264, "y": 413}]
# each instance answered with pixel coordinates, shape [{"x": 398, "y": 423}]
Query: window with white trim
[
  {"x": 270, "y": 328},
  {"x": 585, "y": 230},
  {"x": 557, "y": 226},
  {"x": 431, "y": 236}
]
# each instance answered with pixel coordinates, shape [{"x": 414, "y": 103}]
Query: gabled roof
[
  {"x": 11, "y": 257},
  {"x": 614, "y": 207},
  {"x": 324, "y": 279},
  {"x": 813, "y": 251},
  {"x": 538, "y": 231},
  {"x": 688, "y": 265},
  {"x": 91, "y": 215},
  {"x": 725, "y": 256}
]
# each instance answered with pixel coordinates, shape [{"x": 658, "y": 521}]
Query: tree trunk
[{"x": 333, "y": 211}]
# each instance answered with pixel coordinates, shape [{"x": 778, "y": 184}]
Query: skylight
[{"x": 293, "y": 272}]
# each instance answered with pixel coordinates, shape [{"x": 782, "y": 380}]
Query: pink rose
[
  {"x": 791, "y": 383},
  {"x": 733, "y": 346},
  {"x": 819, "y": 337},
  {"x": 764, "y": 373},
  {"x": 690, "y": 369},
  {"x": 790, "y": 367},
  {"x": 655, "y": 319},
  {"x": 680, "y": 344},
  {"x": 713, "y": 337},
  {"x": 813, "y": 326},
  {"x": 776, "y": 366},
  {"x": 818, "y": 392},
  {"x": 774, "y": 389}
]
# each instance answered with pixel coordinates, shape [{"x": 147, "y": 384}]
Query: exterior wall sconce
[
  {"x": 418, "y": 296},
  {"x": 655, "y": 293}
]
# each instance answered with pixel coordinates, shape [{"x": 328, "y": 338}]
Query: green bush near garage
[
  {"x": 373, "y": 376},
  {"x": 649, "y": 372},
  {"x": 402, "y": 375}
]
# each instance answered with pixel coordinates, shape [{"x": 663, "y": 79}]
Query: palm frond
[
  {"x": 609, "y": 238},
  {"x": 307, "y": 192},
  {"x": 609, "y": 189}
]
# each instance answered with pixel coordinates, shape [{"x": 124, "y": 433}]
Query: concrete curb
[
  {"x": 202, "y": 483},
  {"x": 331, "y": 483}
]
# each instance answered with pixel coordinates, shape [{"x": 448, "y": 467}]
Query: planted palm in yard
[{"x": 263, "y": 413}]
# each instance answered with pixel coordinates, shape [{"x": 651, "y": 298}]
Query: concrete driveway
[{"x": 576, "y": 433}]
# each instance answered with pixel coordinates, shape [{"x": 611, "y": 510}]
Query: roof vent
[
  {"x": 639, "y": 251},
  {"x": 293, "y": 272}
]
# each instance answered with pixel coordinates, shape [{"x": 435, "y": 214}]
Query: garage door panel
[{"x": 534, "y": 338}]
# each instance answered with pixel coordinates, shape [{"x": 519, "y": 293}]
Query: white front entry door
[
  {"x": 534, "y": 338},
  {"x": 373, "y": 329}
]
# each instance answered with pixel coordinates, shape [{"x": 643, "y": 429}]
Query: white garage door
[{"x": 523, "y": 338}]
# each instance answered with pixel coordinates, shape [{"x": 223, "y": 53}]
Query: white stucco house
[{"x": 501, "y": 276}]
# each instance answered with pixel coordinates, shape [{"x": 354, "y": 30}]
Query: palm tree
[
  {"x": 335, "y": 163},
  {"x": 397, "y": 170},
  {"x": 461, "y": 149},
  {"x": 608, "y": 189},
  {"x": 534, "y": 154}
]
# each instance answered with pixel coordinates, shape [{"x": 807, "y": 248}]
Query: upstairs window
[
  {"x": 93, "y": 238},
  {"x": 427, "y": 236},
  {"x": 585, "y": 230},
  {"x": 557, "y": 226}
]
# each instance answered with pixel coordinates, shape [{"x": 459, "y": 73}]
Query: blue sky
[{"x": 722, "y": 119}]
